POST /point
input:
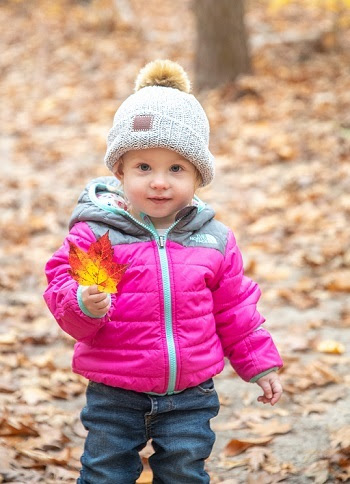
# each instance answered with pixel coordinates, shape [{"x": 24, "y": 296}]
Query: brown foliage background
[{"x": 282, "y": 143}]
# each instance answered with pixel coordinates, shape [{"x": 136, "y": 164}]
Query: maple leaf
[{"x": 96, "y": 266}]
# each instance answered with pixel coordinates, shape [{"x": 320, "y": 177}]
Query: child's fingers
[
  {"x": 100, "y": 301},
  {"x": 271, "y": 387},
  {"x": 103, "y": 304},
  {"x": 92, "y": 294},
  {"x": 99, "y": 309},
  {"x": 275, "y": 396},
  {"x": 97, "y": 302},
  {"x": 98, "y": 298},
  {"x": 266, "y": 386},
  {"x": 277, "y": 391}
]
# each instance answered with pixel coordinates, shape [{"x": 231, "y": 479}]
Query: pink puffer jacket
[{"x": 182, "y": 304}]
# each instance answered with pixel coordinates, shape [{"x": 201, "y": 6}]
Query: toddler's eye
[
  {"x": 144, "y": 167},
  {"x": 176, "y": 168}
]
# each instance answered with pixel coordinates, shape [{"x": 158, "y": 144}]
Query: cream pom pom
[{"x": 163, "y": 73}]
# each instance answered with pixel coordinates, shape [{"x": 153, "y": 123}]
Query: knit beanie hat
[{"x": 162, "y": 114}]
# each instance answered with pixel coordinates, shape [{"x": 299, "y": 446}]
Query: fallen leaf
[
  {"x": 7, "y": 385},
  {"x": 256, "y": 457},
  {"x": 232, "y": 464},
  {"x": 318, "y": 471},
  {"x": 146, "y": 477},
  {"x": 265, "y": 225},
  {"x": 272, "y": 427},
  {"x": 331, "y": 346},
  {"x": 301, "y": 300},
  {"x": 283, "y": 146},
  {"x": 341, "y": 438},
  {"x": 33, "y": 395},
  {"x": 60, "y": 474},
  {"x": 323, "y": 374},
  {"x": 332, "y": 395},
  {"x": 235, "y": 446},
  {"x": 7, "y": 457},
  {"x": 338, "y": 281},
  {"x": 44, "y": 457},
  {"x": 21, "y": 425},
  {"x": 307, "y": 409},
  {"x": 229, "y": 425},
  {"x": 9, "y": 338}
]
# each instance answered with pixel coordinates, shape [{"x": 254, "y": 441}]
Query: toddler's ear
[{"x": 118, "y": 169}]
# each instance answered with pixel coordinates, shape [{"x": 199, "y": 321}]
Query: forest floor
[{"x": 282, "y": 143}]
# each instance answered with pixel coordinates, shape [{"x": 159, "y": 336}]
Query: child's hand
[
  {"x": 96, "y": 302},
  {"x": 272, "y": 387}
]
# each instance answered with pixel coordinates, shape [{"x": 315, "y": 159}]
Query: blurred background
[{"x": 274, "y": 79}]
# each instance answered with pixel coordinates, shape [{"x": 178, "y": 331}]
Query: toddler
[{"x": 150, "y": 350}]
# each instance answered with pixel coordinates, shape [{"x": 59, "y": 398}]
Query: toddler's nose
[{"x": 159, "y": 182}]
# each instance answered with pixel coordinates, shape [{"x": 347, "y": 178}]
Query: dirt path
[{"x": 282, "y": 141}]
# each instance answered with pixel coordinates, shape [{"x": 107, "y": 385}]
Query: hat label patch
[{"x": 142, "y": 123}]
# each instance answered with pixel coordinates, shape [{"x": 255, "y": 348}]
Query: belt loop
[{"x": 154, "y": 405}]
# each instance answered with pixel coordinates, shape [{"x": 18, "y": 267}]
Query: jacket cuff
[
  {"x": 82, "y": 306},
  {"x": 266, "y": 372}
]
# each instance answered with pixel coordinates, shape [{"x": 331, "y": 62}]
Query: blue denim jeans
[{"x": 120, "y": 422}]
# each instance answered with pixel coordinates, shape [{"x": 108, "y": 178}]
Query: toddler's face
[{"x": 158, "y": 182}]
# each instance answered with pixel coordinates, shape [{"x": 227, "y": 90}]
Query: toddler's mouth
[{"x": 158, "y": 199}]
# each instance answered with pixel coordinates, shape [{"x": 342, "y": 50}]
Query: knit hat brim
[{"x": 170, "y": 134}]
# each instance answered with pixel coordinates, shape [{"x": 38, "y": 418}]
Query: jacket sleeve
[
  {"x": 62, "y": 293},
  {"x": 248, "y": 346}
]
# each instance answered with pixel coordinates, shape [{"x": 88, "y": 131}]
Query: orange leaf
[
  {"x": 96, "y": 266},
  {"x": 235, "y": 446}
]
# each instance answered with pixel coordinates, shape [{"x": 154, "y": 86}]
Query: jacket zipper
[
  {"x": 168, "y": 313},
  {"x": 161, "y": 244}
]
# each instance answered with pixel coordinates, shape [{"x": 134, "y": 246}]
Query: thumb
[{"x": 93, "y": 289}]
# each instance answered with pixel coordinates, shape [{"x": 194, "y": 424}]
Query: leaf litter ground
[{"x": 282, "y": 144}]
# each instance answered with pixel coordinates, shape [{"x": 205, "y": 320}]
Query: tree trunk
[{"x": 222, "y": 49}]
